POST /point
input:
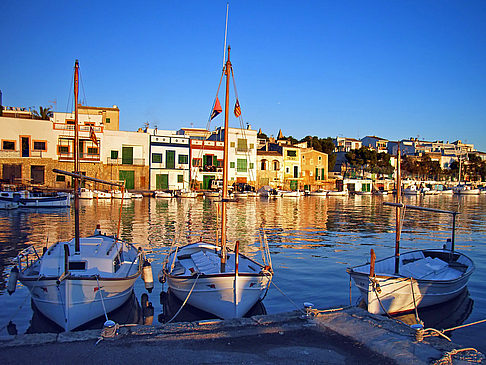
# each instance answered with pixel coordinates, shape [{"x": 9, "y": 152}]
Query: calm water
[{"x": 312, "y": 241}]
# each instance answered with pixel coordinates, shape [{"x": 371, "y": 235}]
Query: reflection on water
[
  {"x": 443, "y": 316},
  {"x": 312, "y": 240}
]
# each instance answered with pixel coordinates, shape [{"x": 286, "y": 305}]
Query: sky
[{"x": 394, "y": 69}]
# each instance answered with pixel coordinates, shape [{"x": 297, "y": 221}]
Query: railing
[
  {"x": 119, "y": 161},
  {"x": 210, "y": 169},
  {"x": 69, "y": 156},
  {"x": 9, "y": 154}
]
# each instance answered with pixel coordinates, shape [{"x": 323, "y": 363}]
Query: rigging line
[
  {"x": 84, "y": 95},
  {"x": 225, "y": 33}
]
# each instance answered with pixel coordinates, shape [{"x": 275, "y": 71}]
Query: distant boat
[
  {"x": 414, "y": 279},
  {"x": 337, "y": 193},
  {"x": 117, "y": 194},
  {"x": 163, "y": 194},
  {"x": 411, "y": 190},
  {"x": 318, "y": 193},
  {"x": 136, "y": 195},
  {"x": 359, "y": 192},
  {"x": 290, "y": 194},
  {"x": 37, "y": 199},
  {"x": 463, "y": 189},
  {"x": 184, "y": 193},
  {"x": 85, "y": 193},
  {"x": 8, "y": 203},
  {"x": 98, "y": 194}
]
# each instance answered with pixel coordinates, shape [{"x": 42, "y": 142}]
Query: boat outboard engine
[
  {"x": 147, "y": 276},
  {"x": 12, "y": 280}
]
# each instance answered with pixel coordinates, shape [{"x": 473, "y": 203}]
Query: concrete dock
[{"x": 349, "y": 336}]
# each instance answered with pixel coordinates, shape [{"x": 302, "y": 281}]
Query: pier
[{"x": 350, "y": 335}]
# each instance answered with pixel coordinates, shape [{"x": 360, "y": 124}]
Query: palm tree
[{"x": 43, "y": 113}]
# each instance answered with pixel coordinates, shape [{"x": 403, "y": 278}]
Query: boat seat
[
  {"x": 204, "y": 264},
  {"x": 429, "y": 268}
]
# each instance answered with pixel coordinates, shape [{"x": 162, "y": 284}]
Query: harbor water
[{"x": 312, "y": 241}]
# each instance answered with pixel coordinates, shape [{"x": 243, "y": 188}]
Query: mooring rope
[
  {"x": 285, "y": 295},
  {"x": 101, "y": 296},
  {"x": 185, "y": 301}
]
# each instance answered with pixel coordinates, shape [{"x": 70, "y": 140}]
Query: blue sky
[{"x": 395, "y": 69}]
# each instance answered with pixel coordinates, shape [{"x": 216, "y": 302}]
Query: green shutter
[
  {"x": 128, "y": 177},
  {"x": 170, "y": 160},
  {"x": 322, "y": 174},
  {"x": 317, "y": 174},
  {"x": 114, "y": 155},
  {"x": 180, "y": 178},
  {"x": 232, "y": 165},
  {"x": 156, "y": 158},
  {"x": 161, "y": 181},
  {"x": 127, "y": 155},
  {"x": 241, "y": 165}
]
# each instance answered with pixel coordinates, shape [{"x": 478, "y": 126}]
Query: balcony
[
  {"x": 83, "y": 157},
  {"x": 210, "y": 169},
  {"x": 120, "y": 161}
]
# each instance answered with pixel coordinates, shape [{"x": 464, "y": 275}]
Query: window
[
  {"x": 107, "y": 120},
  {"x": 251, "y": 165},
  {"x": 92, "y": 150},
  {"x": 114, "y": 155},
  {"x": 60, "y": 178},
  {"x": 320, "y": 158},
  {"x": 275, "y": 165},
  {"x": 180, "y": 178},
  {"x": 63, "y": 149},
  {"x": 287, "y": 170},
  {"x": 241, "y": 165},
  {"x": 183, "y": 159},
  {"x": 8, "y": 145},
  {"x": 40, "y": 145},
  {"x": 252, "y": 146},
  {"x": 263, "y": 165},
  {"x": 292, "y": 153},
  {"x": 197, "y": 162},
  {"x": 77, "y": 265},
  {"x": 232, "y": 165},
  {"x": 156, "y": 158},
  {"x": 232, "y": 144},
  {"x": 242, "y": 146}
]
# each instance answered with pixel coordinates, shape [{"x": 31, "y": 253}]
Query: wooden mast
[
  {"x": 76, "y": 159},
  {"x": 397, "y": 200},
  {"x": 227, "y": 71}
]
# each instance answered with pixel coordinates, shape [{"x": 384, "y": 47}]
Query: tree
[{"x": 43, "y": 113}]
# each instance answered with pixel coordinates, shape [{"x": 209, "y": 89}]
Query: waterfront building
[
  {"x": 291, "y": 163},
  {"x": 242, "y": 156},
  {"x": 345, "y": 144},
  {"x": 169, "y": 160},
  {"x": 206, "y": 162},
  {"x": 314, "y": 167},
  {"x": 270, "y": 168},
  {"x": 110, "y": 117},
  {"x": 375, "y": 143}
]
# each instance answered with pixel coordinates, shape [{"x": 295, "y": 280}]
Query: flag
[
  {"x": 217, "y": 109},
  {"x": 92, "y": 136},
  {"x": 237, "y": 110}
]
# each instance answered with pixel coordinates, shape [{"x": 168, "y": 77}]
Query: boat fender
[
  {"x": 147, "y": 276},
  {"x": 97, "y": 231},
  {"x": 161, "y": 277},
  {"x": 12, "y": 280}
]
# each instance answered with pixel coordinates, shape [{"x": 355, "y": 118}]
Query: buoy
[
  {"x": 161, "y": 276},
  {"x": 147, "y": 276},
  {"x": 12, "y": 280}
]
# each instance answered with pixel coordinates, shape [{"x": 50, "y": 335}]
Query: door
[
  {"x": 25, "y": 147},
  {"x": 207, "y": 181},
  {"x": 296, "y": 172},
  {"x": 12, "y": 173},
  {"x": 294, "y": 184},
  {"x": 170, "y": 160},
  {"x": 162, "y": 181},
  {"x": 127, "y": 155},
  {"x": 128, "y": 177},
  {"x": 37, "y": 174}
]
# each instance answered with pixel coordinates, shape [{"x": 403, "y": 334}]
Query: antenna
[{"x": 225, "y": 33}]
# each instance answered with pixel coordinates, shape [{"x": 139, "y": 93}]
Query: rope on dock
[
  {"x": 290, "y": 300},
  {"x": 473, "y": 356}
]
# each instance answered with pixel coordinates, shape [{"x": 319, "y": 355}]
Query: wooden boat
[
  {"x": 414, "y": 279},
  {"x": 136, "y": 195},
  {"x": 463, "y": 189},
  {"x": 337, "y": 193},
  {"x": 37, "y": 199},
  {"x": 212, "y": 194},
  {"x": 290, "y": 194},
  {"x": 75, "y": 281},
  {"x": 117, "y": 194},
  {"x": 211, "y": 277},
  {"x": 186, "y": 194}
]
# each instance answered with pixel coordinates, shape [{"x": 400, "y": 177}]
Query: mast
[
  {"x": 397, "y": 200},
  {"x": 76, "y": 159},
  {"x": 227, "y": 72}
]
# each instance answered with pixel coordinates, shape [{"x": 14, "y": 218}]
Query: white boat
[
  {"x": 337, "y": 193},
  {"x": 137, "y": 195},
  {"x": 186, "y": 194},
  {"x": 411, "y": 190},
  {"x": 414, "y": 279},
  {"x": 240, "y": 194},
  {"x": 86, "y": 193},
  {"x": 380, "y": 192},
  {"x": 212, "y": 194},
  {"x": 163, "y": 194},
  {"x": 290, "y": 194},
  {"x": 117, "y": 194},
  {"x": 252, "y": 194},
  {"x": 446, "y": 192},
  {"x": 71, "y": 288},
  {"x": 429, "y": 191},
  {"x": 75, "y": 281},
  {"x": 463, "y": 189},
  {"x": 37, "y": 199},
  {"x": 318, "y": 193},
  {"x": 98, "y": 194},
  {"x": 210, "y": 276}
]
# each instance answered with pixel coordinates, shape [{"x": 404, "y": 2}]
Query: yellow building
[
  {"x": 110, "y": 116},
  {"x": 315, "y": 170}
]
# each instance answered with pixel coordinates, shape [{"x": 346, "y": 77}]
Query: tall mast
[
  {"x": 76, "y": 159},
  {"x": 397, "y": 200},
  {"x": 227, "y": 72}
]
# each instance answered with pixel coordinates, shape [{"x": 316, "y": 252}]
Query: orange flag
[
  {"x": 92, "y": 136},
  {"x": 237, "y": 110},
  {"x": 217, "y": 109}
]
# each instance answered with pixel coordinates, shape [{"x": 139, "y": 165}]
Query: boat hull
[
  {"x": 77, "y": 301},
  {"x": 234, "y": 295}
]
